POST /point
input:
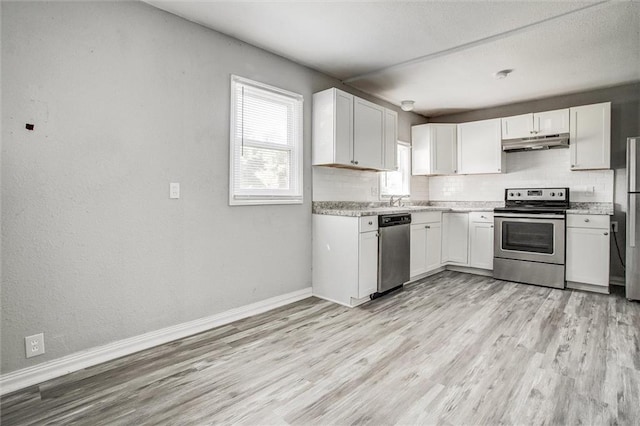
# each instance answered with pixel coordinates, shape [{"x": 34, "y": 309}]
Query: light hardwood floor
[{"x": 453, "y": 349}]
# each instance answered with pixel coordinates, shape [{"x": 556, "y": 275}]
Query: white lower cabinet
[
  {"x": 367, "y": 263},
  {"x": 588, "y": 245},
  {"x": 426, "y": 238},
  {"x": 345, "y": 258},
  {"x": 455, "y": 238},
  {"x": 481, "y": 240}
]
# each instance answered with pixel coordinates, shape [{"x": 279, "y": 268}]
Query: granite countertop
[
  {"x": 357, "y": 209},
  {"x": 591, "y": 208}
]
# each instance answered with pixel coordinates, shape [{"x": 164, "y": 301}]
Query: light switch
[{"x": 174, "y": 190}]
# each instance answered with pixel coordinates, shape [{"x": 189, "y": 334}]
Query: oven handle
[{"x": 530, "y": 216}]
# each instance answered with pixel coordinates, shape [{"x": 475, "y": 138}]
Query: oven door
[{"x": 539, "y": 238}]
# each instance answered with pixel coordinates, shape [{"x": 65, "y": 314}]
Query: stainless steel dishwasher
[{"x": 393, "y": 250}]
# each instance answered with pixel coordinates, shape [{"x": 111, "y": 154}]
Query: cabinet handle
[
  {"x": 355, "y": 162},
  {"x": 573, "y": 166},
  {"x": 587, "y": 220},
  {"x": 352, "y": 162},
  {"x": 483, "y": 217},
  {"x": 492, "y": 226},
  {"x": 455, "y": 171},
  {"x": 427, "y": 227},
  {"x": 370, "y": 223},
  {"x": 377, "y": 234},
  {"x": 499, "y": 169},
  {"x": 606, "y": 233}
]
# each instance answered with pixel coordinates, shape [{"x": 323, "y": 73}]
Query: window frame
[
  {"x": 383, "y": 175},
  {"x": 294, "y": 195}
]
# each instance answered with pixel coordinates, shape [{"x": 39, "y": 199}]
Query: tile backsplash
[
  {"x": 337, "y": 184},
  {"x": 549, "y": 168}
]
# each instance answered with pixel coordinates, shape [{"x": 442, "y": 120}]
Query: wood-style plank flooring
[{"x": 453, "y": 349}]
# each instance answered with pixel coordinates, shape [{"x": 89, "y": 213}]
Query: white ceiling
[{"x": 442, "y": 54}]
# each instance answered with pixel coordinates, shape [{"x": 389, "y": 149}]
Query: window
[
  {"x": 265, "y": 145},
  {"x": 397, "y": 183}
]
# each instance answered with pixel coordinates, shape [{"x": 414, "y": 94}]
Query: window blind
[
  {"x": 266, "y": 144},
  {"x": 398, "y": 182}
]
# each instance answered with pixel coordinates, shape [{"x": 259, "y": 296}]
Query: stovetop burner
[{"x": 535, "y": 200}]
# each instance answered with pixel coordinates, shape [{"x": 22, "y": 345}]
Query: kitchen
[{"x": 121, "y": 99}]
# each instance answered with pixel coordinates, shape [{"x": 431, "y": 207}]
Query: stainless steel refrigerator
[{"x": 632, "y": 275}]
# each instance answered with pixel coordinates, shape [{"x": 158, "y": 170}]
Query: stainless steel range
[{"x": 529, "y": 240}]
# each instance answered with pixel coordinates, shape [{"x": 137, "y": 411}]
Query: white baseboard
[
  {"x": 619, "y": 281},
  {"x": 470, "y": 270},
  {"x": 30, "y": 376},
  {"x": 588, "y": 287}
]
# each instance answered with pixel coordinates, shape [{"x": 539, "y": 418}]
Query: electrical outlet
[
  {"x": 174, "y": 190},
  {"x": 34, "y": 345},
  {"x": 614, "y": 226}
]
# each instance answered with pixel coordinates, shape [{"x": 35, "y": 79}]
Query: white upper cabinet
[
  {"x": 350, "y": 131},
  {"x": 480, "y": 147},
  {"x": 390, "y": 139},
  {"x": 368, "y": 134},
  {"x": 538, "y": 124},
  {"x": 590, "y": 137},
  {"x": 518, "y": 126},
  {"x": 434, "y": 149},
  {"x": 551, "y": 122}
]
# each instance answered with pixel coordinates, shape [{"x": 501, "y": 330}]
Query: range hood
[{"x": 536, "y": 143}]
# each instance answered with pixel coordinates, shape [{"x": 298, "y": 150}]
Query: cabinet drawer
[
  {"x": 426, "y": 217},
  {"x": 368, "y": 223},
  {"x": 483, "y": 217},
  {"x": 588, "y": 221}
]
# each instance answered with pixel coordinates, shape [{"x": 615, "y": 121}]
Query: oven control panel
[{"x": 536, "y": 194}]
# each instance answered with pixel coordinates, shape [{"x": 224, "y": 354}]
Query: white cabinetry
[
  {"x": 480, "y": 147},
  {"x": 426, "y": 237},
  {"x": 390, "y": 140},
  {"x": 537, "y": 124},
  {"x": 352, "y": 132},
  {"x": 368, "y": 134},
  {"x": 455, "y": 238},
  {"x": 434, "y": 149},
  {"x": 345, "y": 258},
  {"x": 481, "y": 240},
  {"x": 590, "y": 137},
  {"x": 588, "y": 252}
]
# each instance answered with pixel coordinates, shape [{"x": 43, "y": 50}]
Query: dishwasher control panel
[{"x": 394, "y": 219}]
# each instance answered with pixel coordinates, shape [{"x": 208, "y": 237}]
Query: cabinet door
[
  {"x": 367, "y": 263},
  {"x": 588, "y": 256},
  {"x": 551, "y": 122},
  {"x": 455, "y": 239},
  {"x": 390, "y": 139},
  {"x": 444, "y": 158},
  {"x": 481, "y": 242},
  {"x": 421, "y": 150},
  {"x": 434, "y": 246},
  {"x": 343, "y": 127},
  {"x": 590, "y": 137},
  {"x": 368, "y": 134},
  {"x": 418, "y": 256},
  {"x": 479, "y": 147},
  {"x": 518, "y": 126}
]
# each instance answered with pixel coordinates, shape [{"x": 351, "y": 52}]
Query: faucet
[{"x": 397, "y": 202}]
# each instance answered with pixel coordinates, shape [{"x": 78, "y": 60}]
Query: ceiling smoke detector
[
  {"x": 407, "y": 105},
  {"x": 502, "y": 74}
]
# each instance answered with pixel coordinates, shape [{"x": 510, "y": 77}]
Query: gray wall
[
  {"x": 126, "y": 98},
  {"x": 625, "y": 122}
]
